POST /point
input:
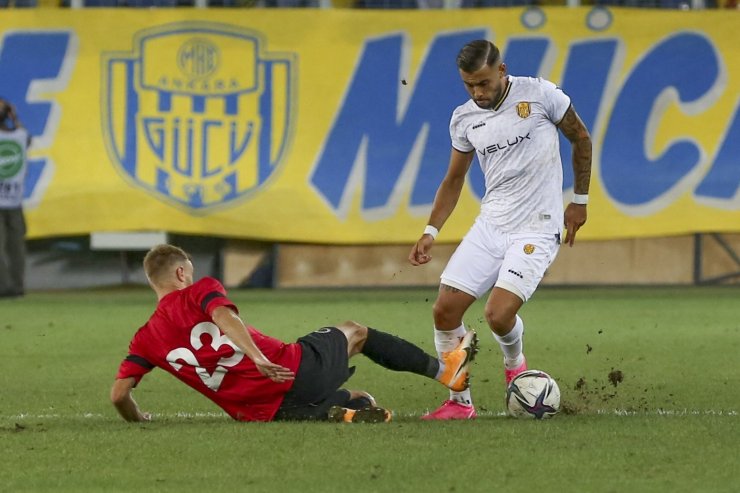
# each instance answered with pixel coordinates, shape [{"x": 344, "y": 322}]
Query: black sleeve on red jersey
[
  {"x": 210, "y": 296},
  {"x": 139, "y": 361}
]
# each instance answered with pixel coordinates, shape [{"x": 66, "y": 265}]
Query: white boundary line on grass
[
  {"x": 627, "y": 412},
  {"x": 670, "y": 412},
  {"x": 602, "y": 412}
]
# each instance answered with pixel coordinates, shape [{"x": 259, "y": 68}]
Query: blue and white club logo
[{"x": 198, "y": 114}]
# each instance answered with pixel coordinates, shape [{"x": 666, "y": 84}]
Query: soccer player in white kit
[{"x": 512, "y": 124}]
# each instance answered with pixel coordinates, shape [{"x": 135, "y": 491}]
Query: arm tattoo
[
  {"x": 450, "y": 288},
  {"x": 577, "y": 133}
]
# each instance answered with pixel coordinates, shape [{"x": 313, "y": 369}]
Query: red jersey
[{"x": 181, "y": 338}]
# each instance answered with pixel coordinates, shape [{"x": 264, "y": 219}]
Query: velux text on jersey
[{"x": 500, "y": 147}]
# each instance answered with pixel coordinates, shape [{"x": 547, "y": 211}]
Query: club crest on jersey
[
  {"x": 528, "y": 249},
  {"x": 523, "y": 109},
  {"x": 198, "y": 114}
]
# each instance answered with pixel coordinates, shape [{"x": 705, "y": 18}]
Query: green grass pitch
[{"x": 670, "y": 425}]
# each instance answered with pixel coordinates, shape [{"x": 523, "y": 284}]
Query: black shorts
[{"x": 323, "y": 370}]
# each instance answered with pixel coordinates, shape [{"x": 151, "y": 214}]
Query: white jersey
[
  {"x": 519, "y": 152},
  {"x": 13, "y": 145}
]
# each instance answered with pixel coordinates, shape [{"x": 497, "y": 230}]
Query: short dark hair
[{"x": 474, "y": 54}]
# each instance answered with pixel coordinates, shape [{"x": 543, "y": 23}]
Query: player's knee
[
  {"x": 498, "y": 321},
  {"x": 356, "y": 333},
  {"x": 445, "y": 316},
  {"x": 352, "y": 327}
]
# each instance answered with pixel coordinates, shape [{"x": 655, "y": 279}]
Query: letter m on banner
[
  {"x": 386, "y": 140},
  {"x": 191, "y": 115}
]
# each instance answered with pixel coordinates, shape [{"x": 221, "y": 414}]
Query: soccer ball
[{"x": 533, "y": 394}]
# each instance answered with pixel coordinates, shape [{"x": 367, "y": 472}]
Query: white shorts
[{"x": 487, "y": 257}]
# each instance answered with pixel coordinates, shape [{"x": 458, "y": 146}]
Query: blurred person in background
[
  {"x": 14, "y": 143},
  {"x": 512, "y": 124},
  {"x": 197, "y": 335}
]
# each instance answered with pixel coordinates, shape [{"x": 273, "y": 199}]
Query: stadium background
[{"x": 290, "y": 153}]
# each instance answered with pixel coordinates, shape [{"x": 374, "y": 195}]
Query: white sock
[
  {"x": 445, "y": 341},
  {"x": 512, "y": 344}
]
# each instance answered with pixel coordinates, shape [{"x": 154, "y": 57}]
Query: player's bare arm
[
  {"x": 232, "y": 326},
  {"x": 576, "y": 132},
  {"x": 445, "y": 201},
  {"x": 120, "y": 396},
  {"x": 449, "y": 190}
]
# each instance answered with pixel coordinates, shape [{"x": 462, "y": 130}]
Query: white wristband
[
  {"x": 580, "y": 199},
  {"x": 431, "y": 231}
]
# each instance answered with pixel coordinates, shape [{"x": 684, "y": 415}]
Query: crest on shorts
[
  {"x": 523, "y": 109},
  {"x": 528, "y": 248},
  {"x": 198, "y": 114}
]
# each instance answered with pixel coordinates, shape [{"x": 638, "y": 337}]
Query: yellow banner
[{"x": 332, "y": 126}]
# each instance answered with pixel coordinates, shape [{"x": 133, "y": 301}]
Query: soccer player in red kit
[{"x": 197, "y": 335}]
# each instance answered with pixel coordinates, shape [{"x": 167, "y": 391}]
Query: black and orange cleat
[
  {"x": 455, "y": 375},
  {"x": 338, "y": 414}
]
